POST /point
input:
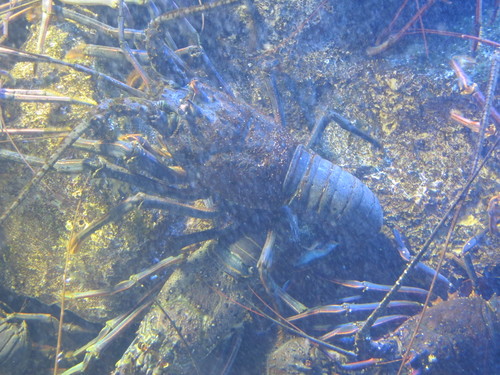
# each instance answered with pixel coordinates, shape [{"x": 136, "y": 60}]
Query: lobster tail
[{"x": 315, "y": 186}]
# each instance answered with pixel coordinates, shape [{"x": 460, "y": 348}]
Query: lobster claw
[{"x": 321, "y": 190}]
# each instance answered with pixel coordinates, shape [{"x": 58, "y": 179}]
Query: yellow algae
[
  {"x": 388, "y": 122},
  {"x": 393, "y": 84},
  {"x": 469, "y": 221}
]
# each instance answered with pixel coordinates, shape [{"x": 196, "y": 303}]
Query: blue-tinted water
[{"x": 212, "y": 135}]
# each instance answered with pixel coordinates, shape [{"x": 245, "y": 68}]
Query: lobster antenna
[
  {"x": 69, "y": 253},
  {"x": 431, "y": 288},
  {"x": 490, "y": 94},
  {"x": 181, "y": 336}
]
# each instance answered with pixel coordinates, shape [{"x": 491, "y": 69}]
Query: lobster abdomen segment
[{"x": 318, "y": 189}]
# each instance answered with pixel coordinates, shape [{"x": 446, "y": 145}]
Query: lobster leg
[
  {"x": 135, "y": 155},
  {"x": 142, "y": 201},
  {"x": 127, "y": 284},
  {"x": 368, "y": 286},
  {"x": 265, "y": 261},
  {"x": 354, "y": 327},
  {"x": 129, "y": 34},
  {"x": 317, "y": 251},
  {"x": 111, "y": 330},
  {"x": 100, "y": 168},
  {"x": 344, "y": 124},
  {"x": 264, "y": 266},
  {"x": 106, "y": 52},
  {"x": 42, "y": 96},
  {"x": 126, "y": 49},
  {"x": 347, "y": 308},
  {"x": 36, "y": 58},
  {"x": 74, "y": 134},
  {"x": 422, "y": 267},
  {"x": 115, "y": 326}
]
